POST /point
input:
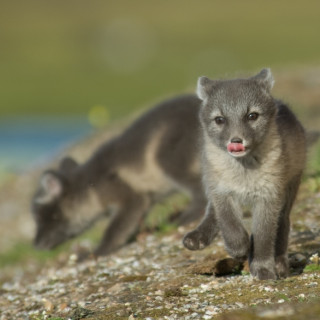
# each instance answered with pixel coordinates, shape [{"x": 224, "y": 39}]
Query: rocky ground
[{"x": 155, "y": 277}]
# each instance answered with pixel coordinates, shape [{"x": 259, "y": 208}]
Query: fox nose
[{"x": 236, "y": 140}]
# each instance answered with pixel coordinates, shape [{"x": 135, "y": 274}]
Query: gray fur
[
  {"x": 264, "y": 173},
  {"x": 154, "y": 157}
]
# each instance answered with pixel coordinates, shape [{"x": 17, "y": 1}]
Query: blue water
[{"x": 30, "y": 140}]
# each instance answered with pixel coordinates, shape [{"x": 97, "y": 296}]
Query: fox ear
[
  {"x": 203, "y": 87},
  {"x": 67, "y": 165},
  {"x": 51, "y": 187},
  {"x": 265, "y": 78}
]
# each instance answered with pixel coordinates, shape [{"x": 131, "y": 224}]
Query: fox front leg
[
  {"x": 206, "y": 231},
  {"x": 235, "y": 236},
  {"x": 264, "y": 231},
  {"x": 132, "y": 207}
]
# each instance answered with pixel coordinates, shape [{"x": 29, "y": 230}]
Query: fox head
[
  {"x": 236, "y": 114},
  {"x": 62, "y": 207}
]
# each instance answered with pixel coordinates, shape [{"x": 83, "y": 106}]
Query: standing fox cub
[
  {"x": 253, "y": 153},
  {"x": 127, "y": 175}
]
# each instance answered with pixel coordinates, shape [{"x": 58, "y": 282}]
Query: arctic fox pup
[
  {"x": 155, "y": 156},
  {"x": 253, "y": 153}
]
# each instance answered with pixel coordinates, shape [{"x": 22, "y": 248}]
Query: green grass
[
  {"x": 315, "y": 159},
  {"x": 23, "y": 252},
  {"x": 312, "y": 174},
  {"x": 312, "y": 268},
  {"x": 68, "y": 56}
]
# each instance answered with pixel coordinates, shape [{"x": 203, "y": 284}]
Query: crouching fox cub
[
  {"x": 155, "y": 156},
  {"x": 253, "y": 153}
]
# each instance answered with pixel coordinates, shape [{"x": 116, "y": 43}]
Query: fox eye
[
  {"x": 220, "y": 120},
  {"x": 252, "y": 116}
]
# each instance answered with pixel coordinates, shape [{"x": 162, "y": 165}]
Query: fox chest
[
  {"x": 250, "y": 179},
  {"x": 246, "y": 184},
  {"x": 244, "y": 181}
]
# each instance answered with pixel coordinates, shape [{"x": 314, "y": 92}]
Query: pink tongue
[{"x": 235, "y": 147}]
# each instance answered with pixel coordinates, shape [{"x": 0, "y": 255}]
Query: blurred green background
[
  {"x": 69, "y": 66},
  {"x": 66, "y": 57}
]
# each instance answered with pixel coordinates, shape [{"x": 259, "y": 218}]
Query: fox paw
[
  {"x": 282, "y": 266},
  {"x": 196, "y": 240},
  {"x": 264, "y": 274},
  {"x": 263, "y": 270}
]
